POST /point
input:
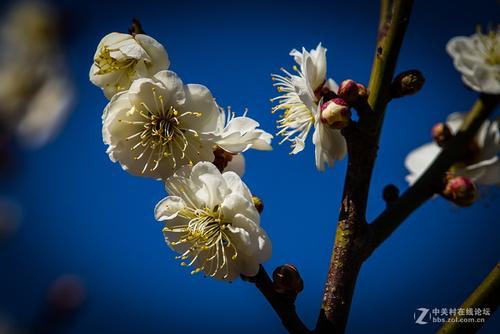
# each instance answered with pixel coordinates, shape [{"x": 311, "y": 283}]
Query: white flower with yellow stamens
[
  {"x": 122, "y": 58},
  {"x": 235, "y": 135},
  {"x": 301, "y": 101},
  {"x": 211, "y": 221},
  {"x": 478, "y": 59},
  {"x": 160, "y": 124},
  {"x": 480, "y": 163}
]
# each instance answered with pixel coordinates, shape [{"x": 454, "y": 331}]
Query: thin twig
[
  {"x": 486, "y": 296},
  {"x": 282, "y": 304},
  {"x": 394, "y": 215}
]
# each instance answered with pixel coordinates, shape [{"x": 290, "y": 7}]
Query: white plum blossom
[
  {"x": 477, "y": 58},
  {"x": 46, "y": 112},
  {"x": 36, "y": 93},
  {"x": 160, "y": 124},
  {"x": 483, "y": 164},
  {"x": 122, "y": 58},
  {"x": 237, "y": 134},
  {"x": 301, "y": 102},
  {"x": 211, "y": 221}
]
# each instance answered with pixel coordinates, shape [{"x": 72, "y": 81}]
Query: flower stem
[
  {"x": 486, "y": 295},
  {"x": 362, "y": 142}
]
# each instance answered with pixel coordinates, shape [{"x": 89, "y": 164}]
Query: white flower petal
[
  {"x": 168, "y": 208},
  {"x": 419, "y": 159}
]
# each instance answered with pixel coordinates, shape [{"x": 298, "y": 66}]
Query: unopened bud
[
  {"x": 287, "y": 280},
  {"x": 391, "y": 193},
  {"x": 336, "y": 113},
  {"x": 407, "y": 83},
  {"x": 353, "y": 93},
  {"x": 460, "y": 190},
  {"x": 259, "y": 205},
  {"x": 441, "y": 134}
]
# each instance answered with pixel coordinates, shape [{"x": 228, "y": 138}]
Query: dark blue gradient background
[{"x": 84, "y": 215}]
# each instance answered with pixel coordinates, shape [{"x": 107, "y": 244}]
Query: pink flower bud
[
  {"x": 441, "y": 134},
  {"x": 336, "y": 113},
  {"x": 353, "y": 93},
  {"x": 287, "y": 280},
  {"x": 460, "y": 190}
]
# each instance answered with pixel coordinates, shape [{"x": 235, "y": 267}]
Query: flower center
[
  {"x": 160, "y": 133},
  {"x": 107, "y": 64},
  {"x": 297, "y": 119},
  {"x": 489, "y": 45},
  {"x": 209, "y": 244}
]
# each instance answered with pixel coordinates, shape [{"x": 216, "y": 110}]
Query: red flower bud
[
  {"x": 460, "y": 190},
  {"x": 441, "y": 134},
  {"x": 353, "y": 93},
  {"x": 336, "y": 113}
]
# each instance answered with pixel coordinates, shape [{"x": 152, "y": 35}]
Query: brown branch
[
  {"x": 392, "y": 217},
  {"x": 362, "y": 142},
  {"x": 486, "y": 295},
  {"x": 283, "y": 305}
]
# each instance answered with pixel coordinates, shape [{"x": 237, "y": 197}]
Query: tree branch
[
  {"x": 486, "y": 295},
  {"x": 362, "y": 142},
  {"x": 392, "y": 217},
  {"x": 283, "y": 304}
]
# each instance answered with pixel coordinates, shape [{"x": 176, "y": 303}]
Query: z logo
[{"x": 421, "y": 318}]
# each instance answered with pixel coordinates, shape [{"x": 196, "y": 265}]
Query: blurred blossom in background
[
  {"x": 80, "y": 250},
  {"x": 36, "y": 92}
]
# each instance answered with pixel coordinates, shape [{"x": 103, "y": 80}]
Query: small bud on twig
[
  {"x": 287, "y": 280},
  {"x": 336, "y": 113},
  {"x": 259, "y": 205},
  {"x": 407, "y": 83},
  {"x": 441, "y": 134},
  {"x": 460, "y": 190},
  {"x": 390, "y": 194},
  {"x": 355, "y": 94}
]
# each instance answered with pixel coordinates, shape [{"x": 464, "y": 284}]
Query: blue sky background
[{"x": 84, "y": 215}]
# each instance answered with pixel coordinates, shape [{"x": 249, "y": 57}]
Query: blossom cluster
[{"x": 157, "y": 126}]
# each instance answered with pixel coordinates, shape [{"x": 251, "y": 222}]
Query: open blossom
[
  {"x": 160, "y": 124},
  {"x": 211, "y": 221},
  {"x": 478, "y": 59},
  {"x": 235, "y": 135},
  {"x": 238, "y": 134},
  {"x": 36, "y": 93},
  {"x": 481, "y": 163},
  {"x": 46, "y": 112},
  {"x": 122, "y": 58},
  {"x": 301, "y": 102}
]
